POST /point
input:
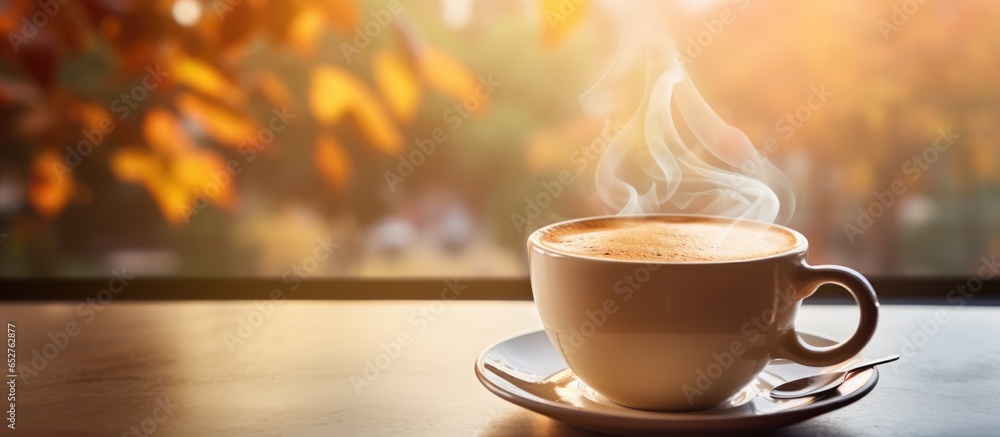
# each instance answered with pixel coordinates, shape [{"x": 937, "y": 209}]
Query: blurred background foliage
[{"x": 225, "y": 137}]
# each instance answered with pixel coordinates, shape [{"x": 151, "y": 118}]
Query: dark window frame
[{"x": 908, "y": 290}]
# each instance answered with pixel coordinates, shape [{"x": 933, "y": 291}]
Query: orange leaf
[
  {"x": 560, "y": 18},
  {"x": 164, "y": 132},
  {"x": 51, "y": 184},
  {"x": 449, "y": 77},
  {"x": 331, "y": 93},
  {"x": 397, "y": 84},
  {"x": 274, "y": 90},
  {"x": 343, "y": 14},
  {"x": 206, "y": 79},
  {"x": 218, "y": 123},
  {"x": 333, "y": 162},
  {"x": 9, "y": 18},
  {"x": 93, "y": 117}
]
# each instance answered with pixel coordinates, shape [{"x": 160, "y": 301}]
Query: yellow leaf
[
  {"x": 374, "y": 124},
  {"x": 218, "y": 123},
  {"x": 331, "y": 93},
  {"x": 134, "y": 165},
  {"x": 206, "y": 79},
  {"x": 175, "y": 183},
  {"x": 397, "y": 84},
  {"x": 305, "y": 29},
  {"x": 560, "y": 18},
  {"x": 189, "y": 172},
  {"x": 449, "y": 77},
  {"x": 193, "y": 170},
  {"x": 333, "y": 162},
  {"x": 51, "y": 184},
  {"x": 334, "y": 92},
  {"x": 173, "y": 199},
  {"x": 200, "y": 173},
  {"x": 164, "y": 132}
]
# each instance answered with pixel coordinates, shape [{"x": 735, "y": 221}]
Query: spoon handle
[{"x": 871, "y": 363}]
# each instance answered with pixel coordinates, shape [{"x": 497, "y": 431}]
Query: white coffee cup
[{"x": 684, "y": 335}]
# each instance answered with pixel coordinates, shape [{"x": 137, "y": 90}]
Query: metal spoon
[{"x": 813, "y": 385}]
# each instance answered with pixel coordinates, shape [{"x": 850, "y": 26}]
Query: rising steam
[{"x": 649, "y": 167}]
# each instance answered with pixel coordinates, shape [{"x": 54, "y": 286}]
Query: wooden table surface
[{"x": 298, "y": 368}]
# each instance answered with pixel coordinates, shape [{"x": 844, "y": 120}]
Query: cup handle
[{"x": 809, "y": 279}]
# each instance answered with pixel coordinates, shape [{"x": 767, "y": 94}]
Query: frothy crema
[{"x": 669, "y": 239}]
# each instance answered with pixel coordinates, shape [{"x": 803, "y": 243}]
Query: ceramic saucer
[{"x": 527, "y": 371}]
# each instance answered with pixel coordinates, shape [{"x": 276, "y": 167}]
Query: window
[{"x": 406, "y": 139}]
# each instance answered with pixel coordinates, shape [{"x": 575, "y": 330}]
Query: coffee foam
[{"x": 669, "y": 239}]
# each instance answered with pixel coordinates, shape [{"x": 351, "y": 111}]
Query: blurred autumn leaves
[
  {"x": 143, "y": 105},
  {"x": 197, "y": 94}
]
